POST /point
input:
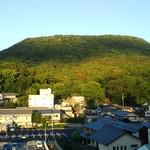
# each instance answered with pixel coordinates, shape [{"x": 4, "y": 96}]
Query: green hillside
[
  {"x": 69, "y": 48},
  {"x": 101, "y": 68}
]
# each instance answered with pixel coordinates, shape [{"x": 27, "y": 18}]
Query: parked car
[
  {"x": 39, "y": 144},
  {"x": 24, "y": 139},
  {"x": 15, "y": 146},
  {"x": 6, "y": 147}
]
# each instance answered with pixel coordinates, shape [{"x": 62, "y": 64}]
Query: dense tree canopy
[{"x": 98, "y": 67}]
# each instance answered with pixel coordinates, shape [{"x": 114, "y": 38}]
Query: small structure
[
  {"x": 6, "y": 97},
  {"x": 126, "y": 115},
  {"x": 53, "y": 113},
  {"x": 76, "y": 100}
]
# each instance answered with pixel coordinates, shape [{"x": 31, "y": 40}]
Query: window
[
  {"x": 121, "y": 147},
  {"x": 134, "y": 145},
  {"x": 114, "y": 148},
  {"x": 125, "y": 147}
]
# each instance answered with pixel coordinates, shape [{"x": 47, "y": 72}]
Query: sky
[{"x": 21, "y": 19}]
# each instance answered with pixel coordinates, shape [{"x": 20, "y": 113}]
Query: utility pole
[
  {"x": 45, "y": 131},
  {"x": 123, "y": 99}
]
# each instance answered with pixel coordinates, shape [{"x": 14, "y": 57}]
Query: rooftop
[{"x": 107, "y": 134}]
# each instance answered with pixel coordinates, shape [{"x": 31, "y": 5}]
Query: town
[{"x": 108, "y": 126}]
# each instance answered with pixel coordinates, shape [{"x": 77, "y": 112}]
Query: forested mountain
[
  {"x": 70, "y": 48},
  {"x": 101, "y": 68}
]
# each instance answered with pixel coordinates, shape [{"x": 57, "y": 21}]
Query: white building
[{"x": 45, "y": 99}]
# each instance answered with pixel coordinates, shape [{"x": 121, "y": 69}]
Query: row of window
[
  {"x": 120, "y": 148},
  {"x": 124, "y": 147}
]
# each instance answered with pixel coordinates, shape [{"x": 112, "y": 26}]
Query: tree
[
  {"x": 9, "y": 105},
  {"x": 37, "y": 117},
  {"x": 75, "y": 137},
  {"x": 93, "y": 93}
]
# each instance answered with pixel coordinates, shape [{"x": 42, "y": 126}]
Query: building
[
  {"x": 54, "y": 114},
  {"x": 126, "y": 115},
  {"x": 76, "y": 100},
  {"x": 108, "y": 133},
  {"x": 44, "y": 99},
  {"x": 22, "y": 117},
  {"x": 6, "y": 97}
]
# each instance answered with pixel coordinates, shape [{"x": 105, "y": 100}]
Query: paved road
[{"x": 34, "y": 134}]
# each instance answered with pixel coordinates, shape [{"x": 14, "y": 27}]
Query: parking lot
[
  {"x": 24, "y": 145},
  {"x": 26, "y": 138}
]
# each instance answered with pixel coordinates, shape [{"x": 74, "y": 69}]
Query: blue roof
[
  {"x": 107, "y": 134},
  {"x": 97, "y": 125},
  {"x": 146, "y": 124},
  {"x": 121, "y": 113},
  {"x": 128, "y": 126}
]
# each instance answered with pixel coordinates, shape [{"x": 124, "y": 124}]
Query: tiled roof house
[{"x": 105, "y": 134}]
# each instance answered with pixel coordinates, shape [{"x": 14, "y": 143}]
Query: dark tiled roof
[
  {"x": 15, "y": 111},
  {"x": 84, "y": 135},
  {"x": 121, "y": 113},
  {"x": 111, "y": 110},
  {"x": 128, "y": 126},
  {"x": 8, "y": 94},
  {"x": 97, "y": 125},
  {"x": 49, "y": 111},
  {"x": 146, "y": 124},
  {"x": 107, "y": 134}
]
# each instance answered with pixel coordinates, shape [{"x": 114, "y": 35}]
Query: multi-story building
[
  {"x": 45, "y": 99},
  {"x": 22, "y": 117}
]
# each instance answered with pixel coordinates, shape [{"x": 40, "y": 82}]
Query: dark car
[
  {"x": 14, "y": 146},
  {"x": 6, "y": 147}
]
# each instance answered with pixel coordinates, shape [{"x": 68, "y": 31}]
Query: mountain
[
  {"x": 100, "y": 68},
  {"x": 68, "y": 48}
]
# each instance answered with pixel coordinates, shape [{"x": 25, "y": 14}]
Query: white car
[{"x": 39, "y": 144}]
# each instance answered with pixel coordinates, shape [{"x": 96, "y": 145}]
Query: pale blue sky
[{"x": 20, "y": 19}]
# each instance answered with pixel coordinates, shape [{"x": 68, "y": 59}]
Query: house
[
  {"x": 76, "y": 100},
  {"x": 6, "y": 97},
  {"x": 132, "y": 128},
  {"x": 53, "y": 113},
  {"x": 91, "y": 114},
  {"x": 111, "y": 138},
  {"x": 22, "y": 117},
  {"x": 103, "y": 134},
  {"x": 126, "y": 115},
  {"x": 65, "y": 108},
  {"x": 45, "y": 99}
]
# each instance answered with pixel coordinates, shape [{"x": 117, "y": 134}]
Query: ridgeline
[{"x": 68, "y": 48}]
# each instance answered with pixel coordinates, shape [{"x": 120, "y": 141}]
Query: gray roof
[
  {"x": 128, "y": 126},
  {"x": 8, "y": 94},
  {"x": 15, "y": 111},
  {"x": 97, "y": 125},
  {"x": 107, "y": 134},
  {"x": 107, "y": 110},
  {"x": 50, "y": 111}
]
